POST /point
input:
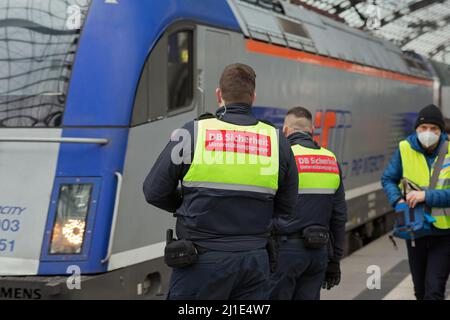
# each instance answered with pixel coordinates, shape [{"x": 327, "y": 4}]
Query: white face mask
[{"x": 428, "y": 138}]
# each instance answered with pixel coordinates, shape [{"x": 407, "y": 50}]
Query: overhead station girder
[{"x": 353, "y": 13}]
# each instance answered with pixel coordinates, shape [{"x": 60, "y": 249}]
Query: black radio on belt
[
  {"x": 179, "y": 253},
  {"x": 315, "y": 237}
]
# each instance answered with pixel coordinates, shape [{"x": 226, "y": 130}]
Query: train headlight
[
  {"x": 73, "y": 231},
  {"x": 70, "y": 219}
]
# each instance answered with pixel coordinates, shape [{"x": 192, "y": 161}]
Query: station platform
[{"x": 395, "y": 284}]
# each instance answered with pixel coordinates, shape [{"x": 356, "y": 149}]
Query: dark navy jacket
[
  {"x": 222, "y": 219},
  {"x": 394, "y": 173},
  {"x": 317, "y": 209}
]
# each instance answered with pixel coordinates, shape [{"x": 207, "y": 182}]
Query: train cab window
[
  {"x": 166, "y": 84},
  {"x": 180, "y": 70}
]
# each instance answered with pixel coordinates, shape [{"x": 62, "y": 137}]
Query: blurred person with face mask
[{"x": 415, "y": 161}]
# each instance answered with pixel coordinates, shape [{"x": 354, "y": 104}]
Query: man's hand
[
  {"x": 415, "y": 197},
  {"x": 332, "y": 276}
]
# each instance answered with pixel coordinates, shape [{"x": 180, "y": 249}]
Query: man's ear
[
  {"x": 254, "y": 98},
  {"x": 219, "y": 98},
  {"x": 285, "y": 131}
]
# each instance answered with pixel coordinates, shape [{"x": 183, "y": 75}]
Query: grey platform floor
[{"x": 395, "y": 282}]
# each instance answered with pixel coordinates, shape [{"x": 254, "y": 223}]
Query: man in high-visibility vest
[
  {"x": 311, "y": 240},
  {"x": 429, "y": 256},
  {"x": 236, "y": 174}
]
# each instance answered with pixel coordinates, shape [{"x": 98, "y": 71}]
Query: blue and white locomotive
[{"x": 90, "y": 91}]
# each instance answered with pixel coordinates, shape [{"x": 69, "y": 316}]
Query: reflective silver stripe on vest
[
  {"x": 446, "y": 161},
  {"x": 438, "y": 212},
  {"x": 228, "y": 186},
  {"x": 316, "y": 191},
  {"x": 444, "y": 182}
]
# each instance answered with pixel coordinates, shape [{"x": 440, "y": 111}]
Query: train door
[{"x": 214, "y": 54}]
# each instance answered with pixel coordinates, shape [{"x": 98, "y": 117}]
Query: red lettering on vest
[
  {"x": 238, "y": 142},
  {"x": 317, "y": 164}
]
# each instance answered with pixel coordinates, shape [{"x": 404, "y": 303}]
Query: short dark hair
[
  {"x": 300, "y": 112},
  {"x": 237, "y": 83}
]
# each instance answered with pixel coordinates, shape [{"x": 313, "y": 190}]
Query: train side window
[
  {"x": 151, "y": 96},
  {"x": 295, "y": 28},
  {"x": 180, "y": 70},
  {"x": 166, "y": 84}
]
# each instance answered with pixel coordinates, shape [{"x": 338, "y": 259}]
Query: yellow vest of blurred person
[{"x": 415, "y": 169}]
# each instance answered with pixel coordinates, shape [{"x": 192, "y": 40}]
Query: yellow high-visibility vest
[
  {"x": 234, "y": 157},
  {"x": 318, "y": 171},
  {"x": 415, "y": 169}
]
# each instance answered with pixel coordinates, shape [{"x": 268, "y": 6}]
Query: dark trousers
[
  {"x": 219, "y": 275},
  {"x": 300, "y": 272},
  {"x": 429, "y": 262}
]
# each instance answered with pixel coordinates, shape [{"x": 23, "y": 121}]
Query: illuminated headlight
[
  {"x": 70, "y": 219},
  {"x": 73, "y": 231}
]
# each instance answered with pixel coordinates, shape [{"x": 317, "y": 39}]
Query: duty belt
[
  {"x": 201, "y": 250},
  {"x": 290, "y": 236}
]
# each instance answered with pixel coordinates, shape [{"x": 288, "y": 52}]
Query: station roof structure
[{"x": 422, "y": 26}]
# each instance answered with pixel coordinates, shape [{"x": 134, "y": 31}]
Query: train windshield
[{"x": 38, "y": 42}]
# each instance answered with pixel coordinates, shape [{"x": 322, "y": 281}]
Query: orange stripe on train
[{"x": 273, "y": 50}]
